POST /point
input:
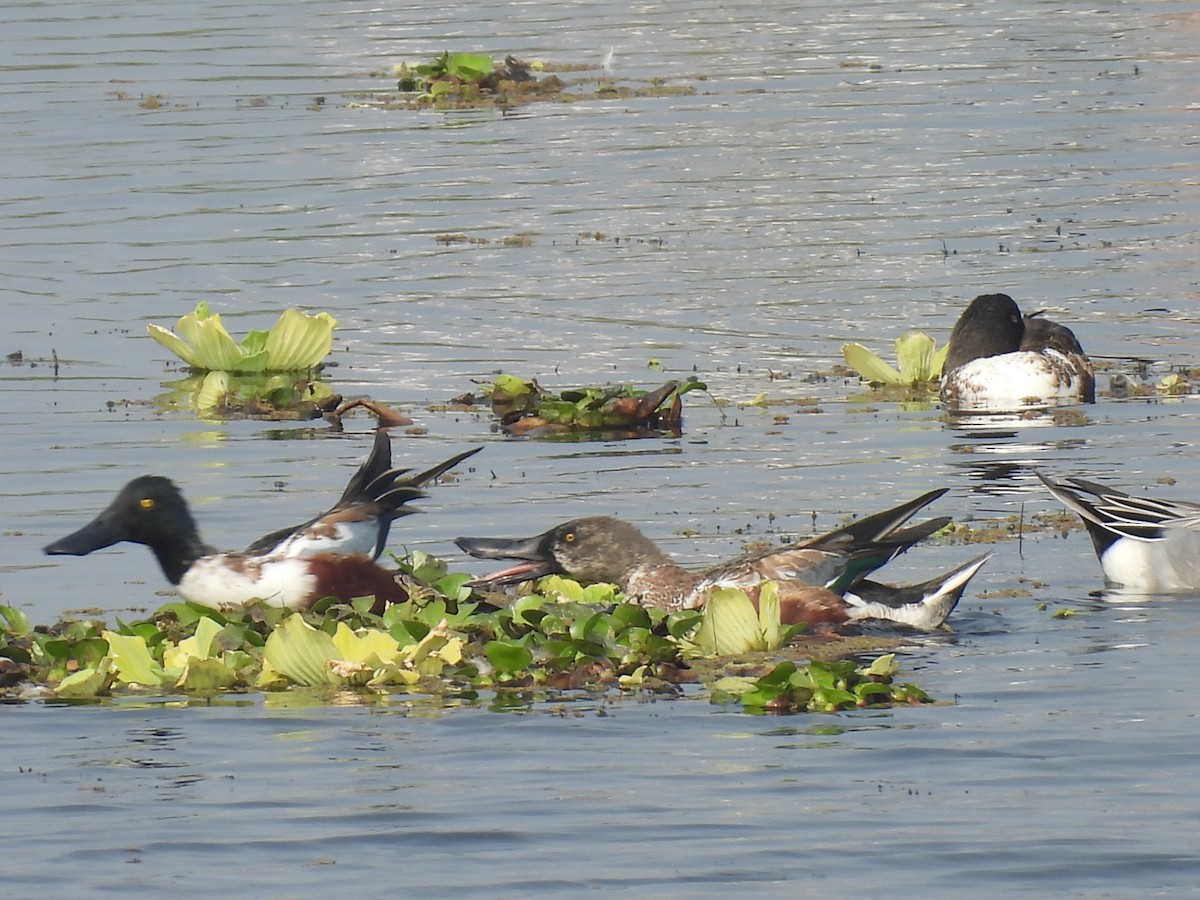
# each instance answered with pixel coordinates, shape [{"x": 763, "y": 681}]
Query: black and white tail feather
[{"x": 924, "y": 606}]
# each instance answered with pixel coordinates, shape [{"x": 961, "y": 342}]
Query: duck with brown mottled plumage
[{"x": 822, "y": 581}]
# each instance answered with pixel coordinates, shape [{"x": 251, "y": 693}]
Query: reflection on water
[{"x": 842, "y": 174}]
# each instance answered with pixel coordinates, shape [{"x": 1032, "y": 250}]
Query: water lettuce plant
[
  {"x": 444, "y": 641},
  {"x": 732, "y": 626},
  {"x": 296, "y": 342},
  {"x": 820, "y": 687},
  {"x": 919, "y": 363}
]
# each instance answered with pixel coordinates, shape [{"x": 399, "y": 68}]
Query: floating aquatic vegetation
[
  {"x": 453, "y": 72},
  {"x": 919, "y": 364},
  {"x": 272, "y": 374},
  {"x": 278, "y": 396},
  {"x": 612, "y": 411},
  {"x": 820, "y": 687},
  {"x": 732, "y": 626},
  {"x": 299, "y": 653},
  {"x": 1175, "y": 383},
  {"x": 463, "y": 80},
  {"x": 296, "y": 342},
  {"x": 443, "y": 640}
]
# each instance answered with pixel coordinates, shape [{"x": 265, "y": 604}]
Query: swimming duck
[
  {"x": 1144, "y": 544},
  {"x": 331, "y": 555},
  {"x": 999, "y": 359},
  {"x": 822, "y": 580}
]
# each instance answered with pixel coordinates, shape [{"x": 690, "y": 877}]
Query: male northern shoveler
[
  {"x": 332, "y": 555},
  {"x": 999, "y": 359},
  {"x": 821, "y": 581},
  {"x": 1144, "y": 544}
]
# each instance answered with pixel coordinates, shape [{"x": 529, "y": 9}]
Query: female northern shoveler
[
  {"x": 821, "y": 581},
  {"x": 999, "y": 359},
  {"x": 1144, "y": 544},
  {"x": 332, "y": 555}
]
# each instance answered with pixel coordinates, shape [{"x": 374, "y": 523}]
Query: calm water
[{"x": 840, "y": 173}]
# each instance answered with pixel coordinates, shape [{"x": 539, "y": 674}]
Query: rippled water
[{"x": 839, "y": 173}]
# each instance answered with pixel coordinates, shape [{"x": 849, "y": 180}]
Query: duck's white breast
[
  {"x": 1013, "y": 380},
  {"x": 227, "y": 582}
]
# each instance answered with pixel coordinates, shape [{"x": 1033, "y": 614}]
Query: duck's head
[
  {"x": 990, "y": 326},
  {"x": 592, "y": 549},
  {"x": 149, "y": 510}
]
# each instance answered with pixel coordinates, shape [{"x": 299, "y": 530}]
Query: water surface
[{"x": 838, "y": 174}]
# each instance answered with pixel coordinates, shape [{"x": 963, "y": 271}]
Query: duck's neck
[
  {"x": 176, "y": 553},
  {"x": 660, "y": 582}
]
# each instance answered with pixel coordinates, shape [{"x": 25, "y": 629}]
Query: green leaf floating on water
[
  {"x": 132, "y": 660},
  {"x": 13, "y": 620},
  {"x": 769, "y": 615},
  {"x": 467, "y": 67},
  {"x": 509, "y": 387},
  {"x": 869, "y": 365},
  {"x": 206, "y": 675},
  {"x": 470, "y": 66},
  {"x": 883, "y": 666},
  {"x": 372, "y": 648},
  {"x": 507, "y": 657},
  {"x": 919, "y": 363},
  {"x": 198, "y": 646},
  {"x": 87, "y": 682},
  {"x": 301, "y": 653},
  {"x": 730, "y": 625},
  {"x": 203, "y": 342},
  {"x": 295, "y": 342}
]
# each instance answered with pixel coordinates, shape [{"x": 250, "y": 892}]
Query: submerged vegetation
[{"x": 447, "y": 641}]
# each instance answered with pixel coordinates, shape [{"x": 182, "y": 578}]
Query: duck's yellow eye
[
  {"x": 569, "y": 537},
  {"x": 146, "y": 503}
]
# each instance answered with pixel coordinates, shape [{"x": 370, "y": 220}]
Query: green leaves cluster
[
  {"x": 820, "y": 687},
  {"x": 444, "y": 641},
  {"x": 86, "y": 659},
  {"x": 525, "y": 407},
  {"x": 297, "y": 341},
  {"x": 541, "y": 640},
  {"x": 919, "y": 363},
  {"x": 275, "y": 396},
  {"x": 449, "y": 72},
  {"x": 269, "y": 374}
]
